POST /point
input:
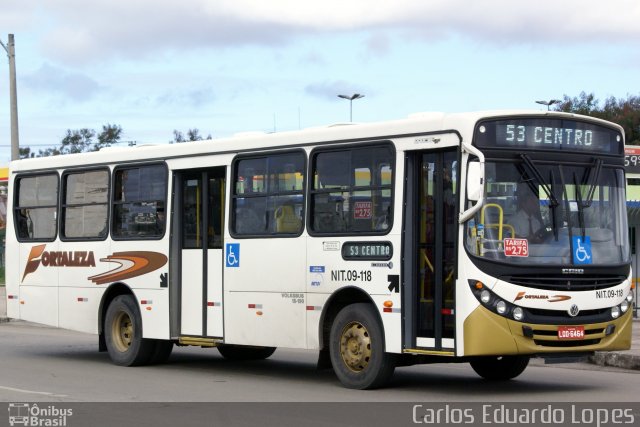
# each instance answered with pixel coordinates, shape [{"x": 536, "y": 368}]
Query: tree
[
  {"x": 177, "y": 137},
  {"x": 625, "y": 112},
  {"x": 192, "y": 135},
  {"x": 110, "y": 134},
  {"x": 79, "y": 141}
]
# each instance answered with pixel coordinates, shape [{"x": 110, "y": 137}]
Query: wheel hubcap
[
  {"x": 122, "y": 332},
  {"x": 355, "y": 346}
]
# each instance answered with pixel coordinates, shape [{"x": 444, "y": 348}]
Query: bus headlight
[
  {"x": 624, "y": 306},
  {"x": 629, "y": 297},
  {"x": 495, "y": 303},
  {"x": 485, "y": 297},
  {"x": 615, "y": 312},
  {"x": 501, "y": 307},
  {"x": 518, "y": 313}
]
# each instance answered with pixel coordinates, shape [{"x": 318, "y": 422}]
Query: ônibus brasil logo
[
  {"x": 131, "y": 264},
  {"x": 37, "y": 415}
]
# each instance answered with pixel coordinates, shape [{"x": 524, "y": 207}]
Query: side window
[
  {"x": 36, "y": 207},
  {"x": 268, "y": 195},
  {"x": 86, "y": 205},
  {"x": 352, "y": 190},
  {"x": 139, "y": 200}
]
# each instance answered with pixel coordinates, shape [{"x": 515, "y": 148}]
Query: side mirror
[{"x": 475, "y": 182}]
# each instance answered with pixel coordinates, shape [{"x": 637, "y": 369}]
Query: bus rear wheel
[
  {"x": 123, "y": 333},
  {"x": 357, "y": 348},
  {"x": 499, "y": 368},
  {"x": 245, "y": 352}
]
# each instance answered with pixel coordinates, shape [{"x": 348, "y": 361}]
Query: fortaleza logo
[
  {"x": 131, "y": 264},
  {"x": 548, "y": 298}
]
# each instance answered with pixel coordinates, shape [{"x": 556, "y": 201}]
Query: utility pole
[{"x": 10, "y": 48}]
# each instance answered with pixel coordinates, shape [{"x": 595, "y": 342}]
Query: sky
[{"x": 230, "y": 66}]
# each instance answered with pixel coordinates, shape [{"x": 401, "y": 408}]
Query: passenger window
[
  {"x": 268, "y": 195},
  {"x": 85, "y": 208},
  {"x": 36, "y": 207},
  {"x": 139, "y": 202},
  {"x": 352, "y": 190}
]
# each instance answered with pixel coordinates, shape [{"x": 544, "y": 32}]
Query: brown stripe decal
[{"x": 132, "y": 264}]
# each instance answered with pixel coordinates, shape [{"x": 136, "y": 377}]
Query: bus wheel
[
  {"x": 357, "y": 348},
  {"x": 161, "y": 352},
  {"x": 123, "y": 333},
  {"x": 499, "y": 368},
  {"x": 245, "y": 352}
]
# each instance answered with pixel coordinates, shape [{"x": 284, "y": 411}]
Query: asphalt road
[{"x": 45, "y": 364}]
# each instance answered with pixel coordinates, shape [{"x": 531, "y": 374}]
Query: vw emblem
[{"x": 573, "y": 310}]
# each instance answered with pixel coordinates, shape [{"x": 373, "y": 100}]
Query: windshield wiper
[
  {"x": 538, "y": 177},
  {"x": 581, "y": 205},
  {"x": 554, "y": 219},
  {"x": 592, "y": 182}
]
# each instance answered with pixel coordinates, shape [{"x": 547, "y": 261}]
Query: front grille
[
  {"x": 561, "y": 317},
  {"x": 559, "y": 283}
]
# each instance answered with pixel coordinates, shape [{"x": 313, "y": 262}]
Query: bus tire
[
  {"x": 499, "y": 368},
  {"x": 161, "y": 352},
  {"x": 245, "y": 352},
  {"x": 123, "y": 333},
  {"x": 356, "y": 347}
]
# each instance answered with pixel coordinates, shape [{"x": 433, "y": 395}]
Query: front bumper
[{"x": 486, "y": 333}]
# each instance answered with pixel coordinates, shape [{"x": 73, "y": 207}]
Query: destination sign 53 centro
[
  {"x": 547, "y": 133},
  {"x": 367, "y": 250}
]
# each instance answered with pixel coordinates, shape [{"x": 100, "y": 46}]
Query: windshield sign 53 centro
[{"x": 548, "y": 134}]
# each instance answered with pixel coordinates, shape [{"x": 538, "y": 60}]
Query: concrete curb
[{"x": 617, "y": 360}]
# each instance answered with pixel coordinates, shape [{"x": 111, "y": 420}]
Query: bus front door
[
  {"x": 198, "y": 233},
  {"x": 430, "y": 235}
]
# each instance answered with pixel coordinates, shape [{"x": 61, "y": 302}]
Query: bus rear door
[{"x": 198, "y": 220}]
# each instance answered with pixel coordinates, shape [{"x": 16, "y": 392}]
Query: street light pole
[
  {"x": 351, "y": 98},
  {"x": 10, "y": 48},
  {"x": 549, "y": 103}
]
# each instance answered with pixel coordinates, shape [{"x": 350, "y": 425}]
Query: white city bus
[{"x": 378, "y": 245}]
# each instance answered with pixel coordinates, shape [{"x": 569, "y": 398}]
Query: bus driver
[{"x": 527, "y": 221}]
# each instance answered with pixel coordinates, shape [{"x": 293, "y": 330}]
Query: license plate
[{"x": 571, "y": 332}]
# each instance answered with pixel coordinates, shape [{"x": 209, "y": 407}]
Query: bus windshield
[{"x": 549, "y": 213}]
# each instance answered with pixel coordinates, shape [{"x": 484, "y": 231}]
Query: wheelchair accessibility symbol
[
  {"x": 582, "y": 250},
  {"x": 233, "y": 255}
]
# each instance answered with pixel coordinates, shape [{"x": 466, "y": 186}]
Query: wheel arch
[
  {"x": 114, "y": 290},
  {"x": 336, "y": 302}
]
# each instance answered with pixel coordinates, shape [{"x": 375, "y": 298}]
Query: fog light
[
  {"x": 501, "y": 307},
  {"x": 624, "y": 306},
  {"x": 518, "y": 313},
  {"x": 485, "y": 297},
  {"x": 615, "y": 312}
]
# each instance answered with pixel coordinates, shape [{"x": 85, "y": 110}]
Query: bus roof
[{"x": 417, "y": 123}]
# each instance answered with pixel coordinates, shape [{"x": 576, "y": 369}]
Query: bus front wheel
[
  {"x": 357, "y": 348},
  {"x": 123, "y": 333},
  {"x": 499, "y": 368}
]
